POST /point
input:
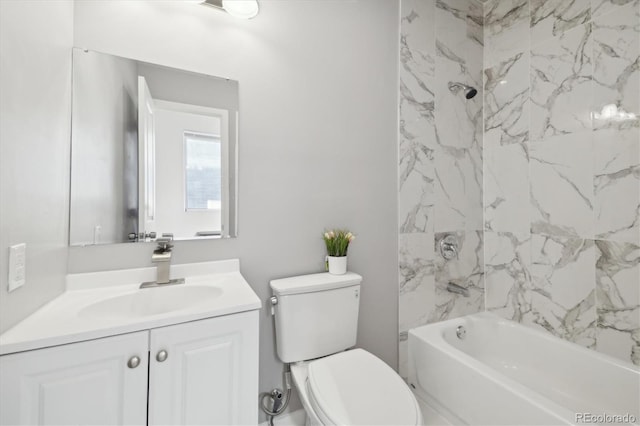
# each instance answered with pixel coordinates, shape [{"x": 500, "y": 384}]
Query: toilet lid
[{"x": 357, "y": 388}]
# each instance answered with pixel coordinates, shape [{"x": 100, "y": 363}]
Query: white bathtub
[{"x": 505, "y": 373}]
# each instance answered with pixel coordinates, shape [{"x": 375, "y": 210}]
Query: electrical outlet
[{"x": 17, "y": 266}]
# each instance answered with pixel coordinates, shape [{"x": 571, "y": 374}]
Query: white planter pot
[{"x": 337, "y": 265}]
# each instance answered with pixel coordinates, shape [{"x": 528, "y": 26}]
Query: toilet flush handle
[{"x": 274, "y": 302}]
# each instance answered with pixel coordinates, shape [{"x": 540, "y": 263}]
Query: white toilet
[{"x": 316, "y": 319}]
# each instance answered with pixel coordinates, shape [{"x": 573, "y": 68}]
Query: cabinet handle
[
  {"x": 162, "y": 356},
  {"x": 134, "y": 361}
]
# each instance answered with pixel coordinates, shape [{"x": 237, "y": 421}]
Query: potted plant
[{"x": 337, "y": 243}]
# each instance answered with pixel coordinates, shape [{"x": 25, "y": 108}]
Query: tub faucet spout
[{"x": 457, "y": 289}]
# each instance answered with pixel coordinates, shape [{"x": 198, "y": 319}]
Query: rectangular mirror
[{"x": 153, "y": 152}]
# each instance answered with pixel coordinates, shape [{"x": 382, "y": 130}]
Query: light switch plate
[{"x": 17, "y": 266}]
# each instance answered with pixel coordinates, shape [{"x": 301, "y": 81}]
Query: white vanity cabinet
[
  {"x": 205, "y": 372},
  {"x": 199, "y": 372},
  {"x": 86, "y": 383}
]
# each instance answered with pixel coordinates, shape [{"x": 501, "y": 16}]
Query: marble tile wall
[
  {"x": 440, "y": 161},
  {"x": 538, "y": 176},
  {"x": 562, "y": 168}
]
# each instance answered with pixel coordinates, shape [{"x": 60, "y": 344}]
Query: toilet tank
[{"x": 316, "y": 315}]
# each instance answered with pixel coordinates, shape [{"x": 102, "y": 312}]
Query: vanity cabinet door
[
  {"x": 87, "y": 383},
  {"x": 205, "y": 372}
]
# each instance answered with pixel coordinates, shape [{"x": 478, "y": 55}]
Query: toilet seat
[{"x": 357, "y": 388}]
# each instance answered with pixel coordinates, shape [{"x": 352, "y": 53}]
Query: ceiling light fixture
[{"x": 243, "y": 9}]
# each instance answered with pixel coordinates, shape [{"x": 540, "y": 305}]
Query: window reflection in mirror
[
  {"x": 202, "y": 166},
  {"x": 153, "y": 152}
]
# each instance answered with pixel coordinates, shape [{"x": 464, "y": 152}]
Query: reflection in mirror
[{"x": 154, "y": 152}]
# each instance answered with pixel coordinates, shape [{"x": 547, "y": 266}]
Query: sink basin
[{"x": 153, "y": 301}]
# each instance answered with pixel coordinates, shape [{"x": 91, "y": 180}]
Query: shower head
[{"x": 469, "y": 92}]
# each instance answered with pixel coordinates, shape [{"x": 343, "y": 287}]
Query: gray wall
[
  {"x": 318, "y": 132},
  {"x": 35, "y": 105}
]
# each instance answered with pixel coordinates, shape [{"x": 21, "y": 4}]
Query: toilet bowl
[{"x": 354, "y": 388}]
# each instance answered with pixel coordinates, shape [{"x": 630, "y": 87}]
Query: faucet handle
[
  {"x": 164, "y": 245},
  {"x": 449, "y": 247}
]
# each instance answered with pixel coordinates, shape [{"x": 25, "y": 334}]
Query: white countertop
[{"x": 64, "y": 319}]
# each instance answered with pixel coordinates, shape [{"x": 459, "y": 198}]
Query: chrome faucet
[{"x": 162, "y": 258}]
